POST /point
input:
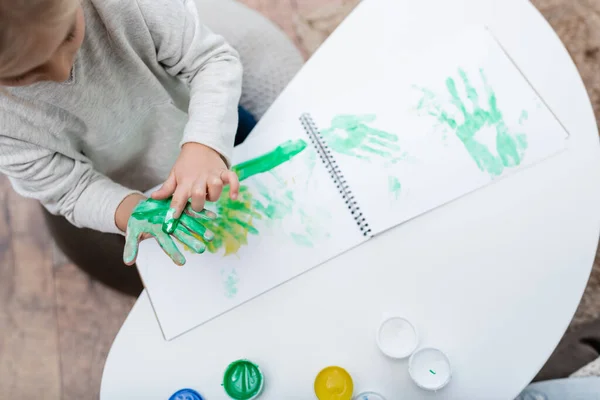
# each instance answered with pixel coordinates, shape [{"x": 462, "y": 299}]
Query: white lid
[
  {"x": 430, "y": 368},
  {"x": 397, "y": 337}
]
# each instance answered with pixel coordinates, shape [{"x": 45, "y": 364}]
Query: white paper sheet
[{"x": 301, "y": 222}]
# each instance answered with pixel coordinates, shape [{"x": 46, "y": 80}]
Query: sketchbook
[{"x": 334, "y": 167}]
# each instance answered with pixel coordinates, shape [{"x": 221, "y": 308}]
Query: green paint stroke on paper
[
  {"x": 524, "y": 116},
  {"x": 351, "y": 135},
  {"x": 234, "y": 222},
  {"x": 510, "y": 148},
  {"x": 230, "y": 283},
  {"x": 270, "y": 160},
  {"x": 274, "y": 207},
  {"x": 302, "y": 240},
  {"x": 394, "y": 186}
]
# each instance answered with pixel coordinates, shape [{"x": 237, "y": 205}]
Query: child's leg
[
  {"x": 100, "y": 255},
  {"x": 269, "y": 57},
  {"x": 245, "y": 125}
]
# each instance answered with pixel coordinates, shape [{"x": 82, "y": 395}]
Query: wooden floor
[{"x": 56, "y": 325}]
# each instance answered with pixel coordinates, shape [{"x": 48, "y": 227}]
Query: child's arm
[
  {"x": 212, "y": 69},
  {"x": 85, "y": 197},
  {"x": 65, "y": 186}
]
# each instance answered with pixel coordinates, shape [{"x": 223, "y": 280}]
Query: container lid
[
  {"x": 243, "y": 380},
  {"x": 397, "y": 337},
  {"x": 369, "y": 396},
  {"x": 186, "y": 394},
  {"x": 430, "y": 368},
  {"x": 334, "y": 383}
]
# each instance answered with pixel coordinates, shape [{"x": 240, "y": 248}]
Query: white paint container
[
  {"x": 397, "y": 337},
  {"x": 430, "y": 368}
]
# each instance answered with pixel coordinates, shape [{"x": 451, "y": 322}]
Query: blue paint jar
[{"x": 186, "y": 394}]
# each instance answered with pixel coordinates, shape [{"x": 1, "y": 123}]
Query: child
[{"x": 108, "y": 98}]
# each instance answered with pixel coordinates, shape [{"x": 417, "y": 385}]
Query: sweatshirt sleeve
[
  {"x": 202, "y": 59},
  {"x": 64, "y": 186}
]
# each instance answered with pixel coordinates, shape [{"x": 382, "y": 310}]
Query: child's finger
[
  {"x": 197, "y": 227},
  {"x": 184, "y": 236},
  {"x": 230, "y": 178},
  {"x": 178, "y": 203},
  {"x": 167, "y": 189},
  {"x": 199, "y": 195},
  {"x": 205, "y": 214},
  {"x": 132, "y": 242},
  {"x": 215, "y": 188},
  {"x": 170, "y": 248}
]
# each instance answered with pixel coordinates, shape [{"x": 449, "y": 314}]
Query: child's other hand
[{"x": 200, "y": 174}]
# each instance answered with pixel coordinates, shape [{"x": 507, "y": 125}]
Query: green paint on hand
[
  {"x": 269, "y": 161},
  {"x": 170, "y": 222},
  {"x": 351, "y": 135},
  {"x": 147, "y": 219},
  {"x": 394, "y": 186},
  {"x": 243, "y": 380},
  {"x": 510, "y": 147}
]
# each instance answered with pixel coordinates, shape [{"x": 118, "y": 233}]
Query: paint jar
[
  {"x": 397, "y": 337},
  {"x": 369, "y": 396},
  {"x": 334, "y": 383},
  {"x": 186, "y": 394},
  {"x": 430, "y": 368},
  {"x": 243, "y": 380}
]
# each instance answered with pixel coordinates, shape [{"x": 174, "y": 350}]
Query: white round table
[{"x": 492, "y": 279}]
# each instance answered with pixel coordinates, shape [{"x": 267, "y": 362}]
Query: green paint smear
[
  {"x": 394, "y": 186},
  {"x": 351, "y": 135},
  {"x": 510, "y": 147},
  {"x": 243, "y": 380},
  {"x": 302, "y": 240},
  {"x": 230, "y": 283},
  {"x": 524, "y": 116}
]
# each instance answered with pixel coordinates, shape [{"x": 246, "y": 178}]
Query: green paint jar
[{"x": 243, "y": 380}]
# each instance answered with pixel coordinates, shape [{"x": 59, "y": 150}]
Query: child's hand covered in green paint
[
  {"x": 199, "y": 174},
  {"x": 147, "y": 220}
]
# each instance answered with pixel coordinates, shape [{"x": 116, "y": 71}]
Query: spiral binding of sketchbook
[{"x": 335, "y": 172}]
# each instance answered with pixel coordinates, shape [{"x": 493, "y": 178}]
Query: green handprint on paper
[
  {"x": 509, "y": 147},
  {"x": 147, "y": 220},
  {"x": 351, "y": 135}
]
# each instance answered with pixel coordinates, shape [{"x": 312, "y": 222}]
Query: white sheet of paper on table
[{"x": 432, "y": 166}]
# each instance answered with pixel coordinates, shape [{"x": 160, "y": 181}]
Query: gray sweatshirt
[{"x": 148, "y": 78}]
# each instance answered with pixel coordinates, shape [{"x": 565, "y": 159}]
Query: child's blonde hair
[{"x": 18, "y": 17}]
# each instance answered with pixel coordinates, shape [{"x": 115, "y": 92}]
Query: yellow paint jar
[{"x": 334, "y": 383}]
